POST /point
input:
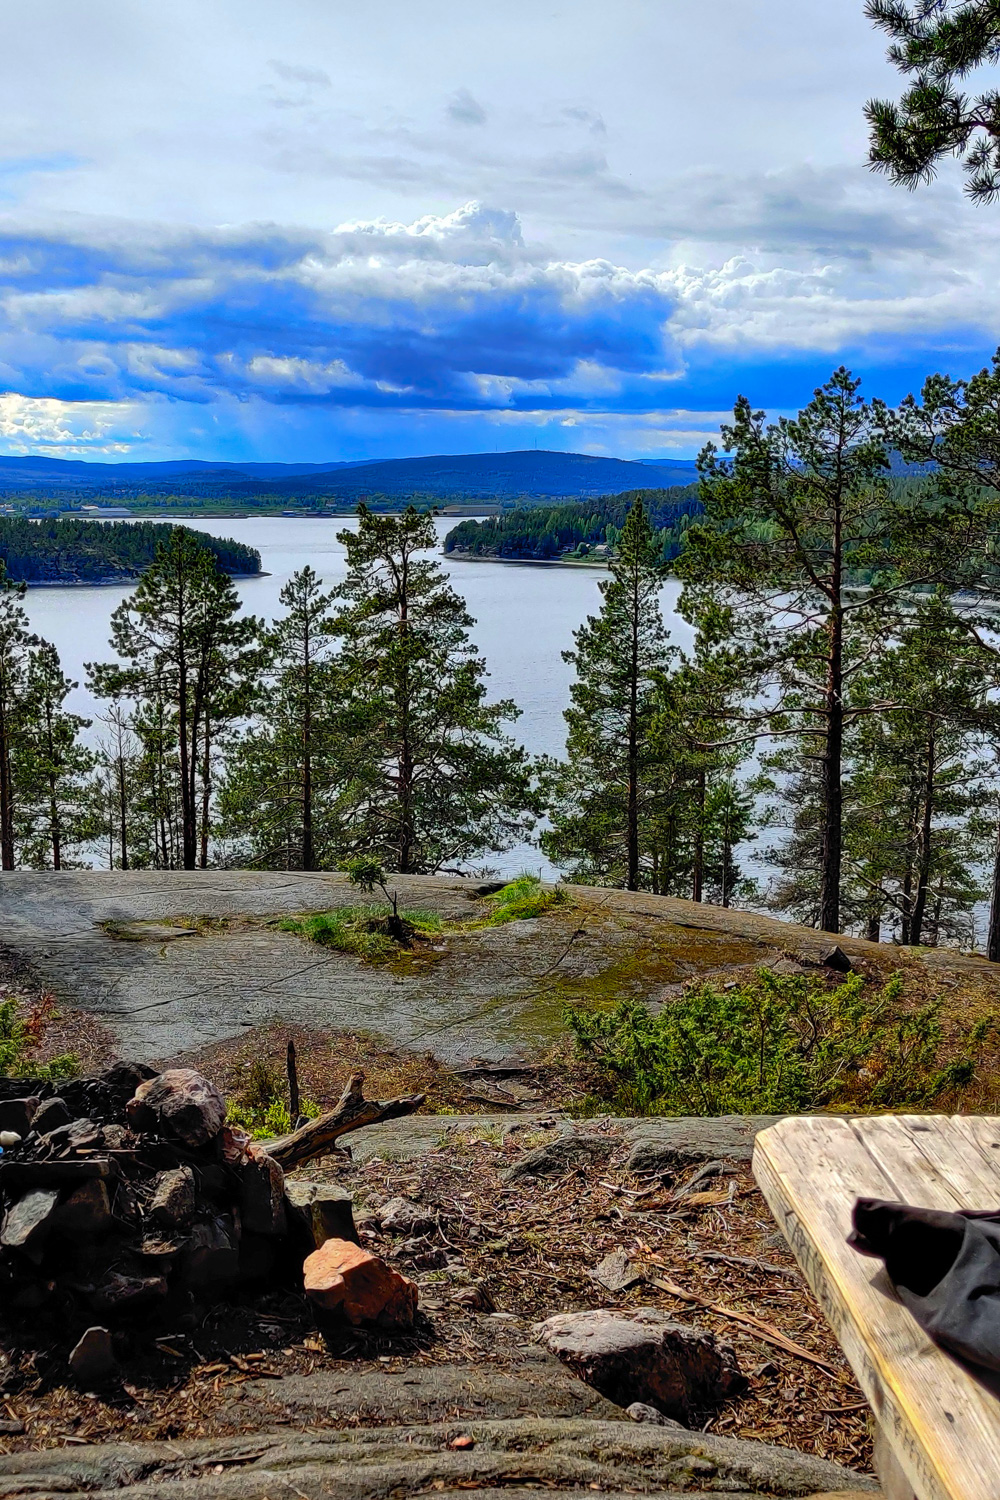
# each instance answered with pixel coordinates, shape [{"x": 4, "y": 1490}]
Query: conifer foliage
[{"x": 433, "y": 778}]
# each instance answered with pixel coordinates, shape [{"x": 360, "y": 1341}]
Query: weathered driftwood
[{"x": 319, "y": 1136}]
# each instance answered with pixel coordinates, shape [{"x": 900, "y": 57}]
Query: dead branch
[{"x": 354, "y": 1111}]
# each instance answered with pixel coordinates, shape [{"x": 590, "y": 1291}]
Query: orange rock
[{"x": 359, "y": 1286}]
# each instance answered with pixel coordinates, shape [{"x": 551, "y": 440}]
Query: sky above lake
[{"x": 321, "y": 230}]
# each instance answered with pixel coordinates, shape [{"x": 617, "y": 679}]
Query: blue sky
[{"x": 318, "y": 230}]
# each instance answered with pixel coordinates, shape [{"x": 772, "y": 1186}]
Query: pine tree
[
  {"x": 279, "y": 795},
  {"x": 936, "y": 44},
  {"x": 607, "y": 795},
  {"x": 119, "y": 796},
  {"x": 55, "y": 815},
  {"x": 191, "y": 667},
  {"x": 434, "y": 780},
  {"x": 16, "y": 644},
  {"x": 801, "y": 515}
]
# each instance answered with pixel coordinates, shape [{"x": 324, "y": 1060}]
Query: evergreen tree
[
  {"x": 190, "y": 668},
  {"x": 801, "y": 515},
  {"x": 54, "y": 813},
  {"x": 279, "y": 795},
  {"x": 936, "y": 44},
  {"x": 607, "y": 795},
  {"x": 119, "y": 796},
  {"x": 16, "y": 644},
  {"x": 433, "y": 779}
]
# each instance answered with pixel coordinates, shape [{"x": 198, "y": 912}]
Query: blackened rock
[
  {"x": 179, "y": 1103},
  {"x": 93, "y": 1359},
  {"x": 77, "y": 1135},
  {"x": 50, "y": 1114},
  {"x": 17, "y": 1114},
  {"x": 262, "y": 1196},
  {"x": 173, "y": 1202},
  {"x": 27, "y": 1222},
  {"x": 644, "y": 1356},
  {"x": 119, "y": 1295},
  {"x": 87, "y": 1210},
  {"x": 212, "y": 1257},
  {"x": 258, "y": 1256}
]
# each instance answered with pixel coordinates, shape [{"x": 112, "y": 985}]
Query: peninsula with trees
[{"x": 68, "y": 550}]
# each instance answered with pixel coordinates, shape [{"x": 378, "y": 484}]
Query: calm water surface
[{"x": 525, "y": 617}]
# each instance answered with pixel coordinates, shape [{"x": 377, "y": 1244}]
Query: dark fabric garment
[{"x": 945, "y": 1268}]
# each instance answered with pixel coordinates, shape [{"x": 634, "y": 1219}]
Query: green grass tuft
[
  {"x": 521, "y": 898},
  {"x": 361, "y": 929}
]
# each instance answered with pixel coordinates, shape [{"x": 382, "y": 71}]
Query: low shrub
[
  {"x": 364, "y": 930},
  {"x": 22, "y": 1034},
  {"x": 261, "y": 1108},
  {"x": 777, "y": 1044}
]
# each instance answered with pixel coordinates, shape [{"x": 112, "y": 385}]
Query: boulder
[
  {"x": 212, "y": 1256},
  {"x": 28, "y": 1221},
  {"x": 401, "y": 1216},
  {"x": 262, "y": 1196},
  {"x": 664, "y": 1145},
  {"x": 574, "y": 1149},
  {"x": 320, "y": 1212},
  {"x": 644, "y": 1356},
  {"x": 359, "y": 1287},
  {"x": 174, "y": 1200},
  {"x": 178, "y": 1103},
  {"x": 92, "y": 1361},
  {"x": 119, "y": 1295},
  {"x": 50, "y": 1114},
  {"x": 17, "y": 1115},
  {"x": 87, "y": 1210}
]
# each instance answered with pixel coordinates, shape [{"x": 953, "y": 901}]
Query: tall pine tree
[
  {"x": 434, "y": 780},
  {"x": 606, "y": 795}
]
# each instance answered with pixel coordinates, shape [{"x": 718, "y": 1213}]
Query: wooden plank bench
[{"x": 937, "y": 1424}]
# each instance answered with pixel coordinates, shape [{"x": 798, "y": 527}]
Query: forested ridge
[
  {"x": 548, "y": 531},
  {"x": 69, "y": 550}
]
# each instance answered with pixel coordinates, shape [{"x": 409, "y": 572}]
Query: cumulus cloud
[{"x": 62, "y": 429}]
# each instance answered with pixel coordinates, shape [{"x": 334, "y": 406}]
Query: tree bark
[
  {"x": 632, "y": 808},
  {"x": 993, "y": 934},
  {"x": 353, "y": 1112},
  {"x": 924, "y": 852}
]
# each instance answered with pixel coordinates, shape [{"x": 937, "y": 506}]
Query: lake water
[{"x": 525, "y": 616}]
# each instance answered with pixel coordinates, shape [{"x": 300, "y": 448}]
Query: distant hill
[{"x": 525, "y": 474}]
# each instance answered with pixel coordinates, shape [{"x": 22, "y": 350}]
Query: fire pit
[{"x": 128, "y": 1201}]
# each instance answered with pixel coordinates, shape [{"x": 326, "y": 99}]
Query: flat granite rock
[
  {"x": 539, "y": 1386},
  {"x": 567, "y": 1456}
]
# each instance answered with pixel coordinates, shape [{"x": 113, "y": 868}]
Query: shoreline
[
  {"x": 529, "y": 562},
  {"x": 102, "y": 583}
]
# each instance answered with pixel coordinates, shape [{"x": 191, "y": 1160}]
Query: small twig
[{"x": 765, "y": 1331}]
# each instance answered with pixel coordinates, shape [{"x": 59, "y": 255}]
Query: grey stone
[
  {"x": 663, "y": 1145},
  {"x": 17, "y": 1114},
  {"x": 50, "y": 1114},
  {"x": 640, "y": 1412},
  {"x": 644, "y": 1356},
  {"x": 179, "y": 1103},
  {"x": 616, "y": 1272},
  {"x": 262, "y": 1196},
  {"x": 92, "y": 1361},
  {"x": 174, "y": 1200},
  {"x": 28, "y": 1221},
  {"x": 400, "y": 1216},
  {"x": 320, "y": 1211},
  {"x": 438, "y": 1393},
  {"x": 574, "y": 1149},
  {"x": 564, "y": 1457}
]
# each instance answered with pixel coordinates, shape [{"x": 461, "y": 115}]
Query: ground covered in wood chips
[{"x": 497, "y": 1257}]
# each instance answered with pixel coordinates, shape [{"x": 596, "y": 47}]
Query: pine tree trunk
[
  {"x": 993, "y": 933},
  {"x": 122, "y": 810},
  {"x": 206, "y": 794},
  {"x": 924, "y": 845},
  {"x": 698, "y": 872},
  {"x": 189, "y": 831},
  {"x": 833, "y": 808},
  {"x": 906, "y": 906},
  {"x": 632, "y": 807},
  {"x": 308, "y": 852},
  {"x": 6, "y": 790}
]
